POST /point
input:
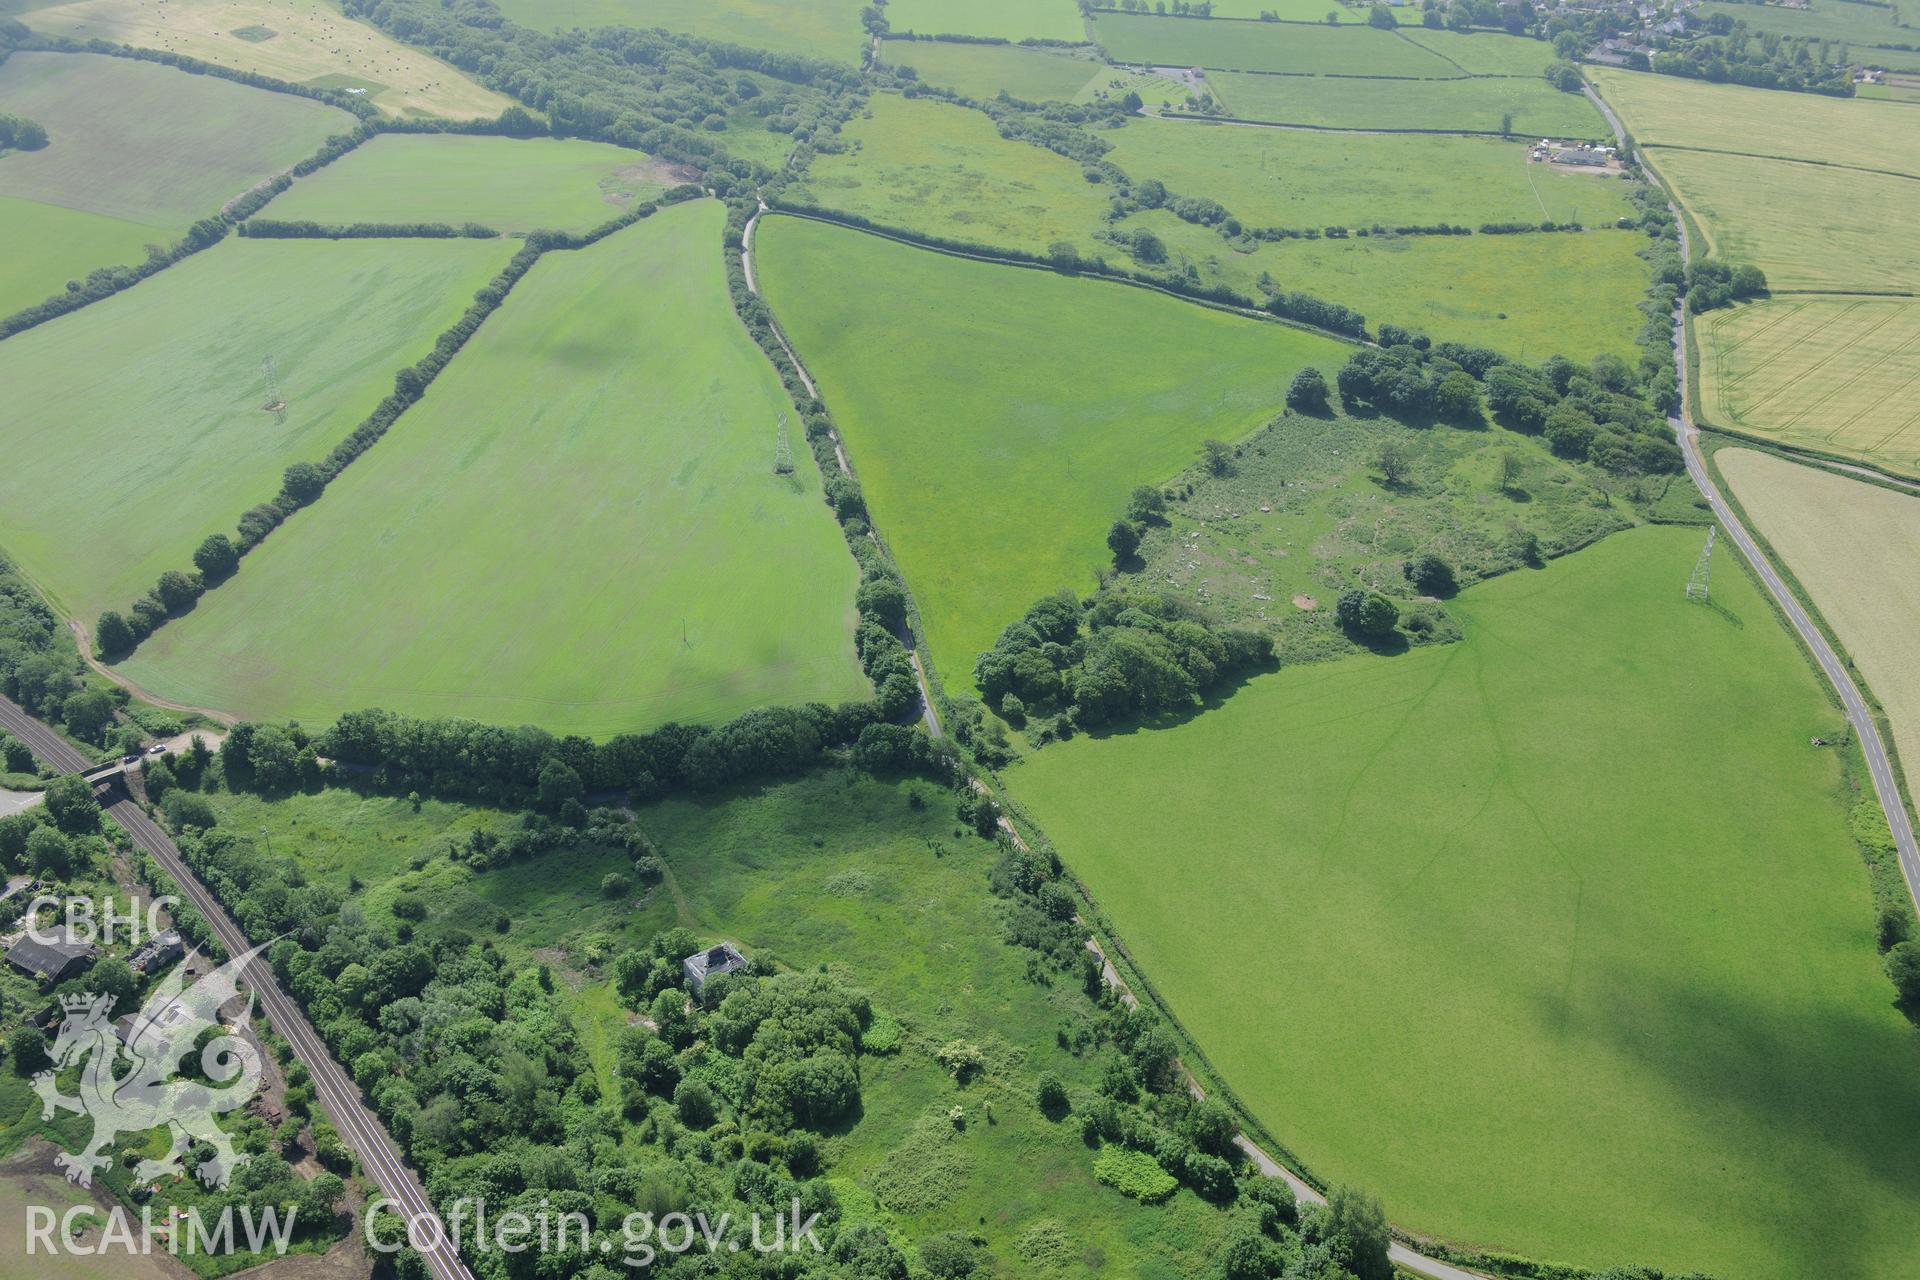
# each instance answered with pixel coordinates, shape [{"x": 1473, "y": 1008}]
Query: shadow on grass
[{"x": 1789, "y": 1072}]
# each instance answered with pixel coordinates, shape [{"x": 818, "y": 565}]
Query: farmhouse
[
  {"x": 51, "y": 961},
  {"x": 711, "y": 963},
  {"x": 1592, "y": 156}
]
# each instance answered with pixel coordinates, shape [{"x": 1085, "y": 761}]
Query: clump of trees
[
  {"x": 1120, "y": 654},
  {"x": 1712, "y": 283},
  {"x": 17, "y": 133},
  {"x": 1407, "y": 378}
]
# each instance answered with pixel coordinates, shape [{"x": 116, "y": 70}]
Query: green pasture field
[
  {"x": 1852, "y": 546},
  {"x": 945, "y": 171},
  {"x": 1299, "y": 178},
  {"x": 67, "y": 244},
  {"x": 1555, "y": 937},
  {"x": 145, "y": 143},
  {"x": 998, "y": 417},
  {"x": 313, "y": 43},
  {"x": 1841, "y": 21},
  {"x": 982, "y": 71},
  {"x": 1485, "y": 53},
  {"x": 1807, "y": 226},
  {"x": 1673, "y": 111},
  {"x": 818, "y": 28},
  {"x": 1265, "y": 46},
  {"x": 1510, "y": 293},
  {"x": 1833, "y": 374},
  {"x": 1289, "y": 10},
  {"x": 1305, "y": 513},
  {"x": 136, "y": 426},
  {"x": 896, "y": 904},
  {"x": 578, "y": 527},
  {"x": 1009, "y": 19},
  {"x": 1449, "y": 106},
  {"x": 510, "y": 184}
]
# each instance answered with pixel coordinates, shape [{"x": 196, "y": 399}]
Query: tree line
[{"x": 272, "y": 229}]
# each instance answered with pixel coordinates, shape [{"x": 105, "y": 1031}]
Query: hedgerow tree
[
  {"x": 1357, "y": 1235},
  {"x": 113, "y": 634},
  {"x": 216, "y": 558},
  {"x": 1903, "y": 966}
]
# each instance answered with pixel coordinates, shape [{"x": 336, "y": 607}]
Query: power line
[{"x": 1698, "y": 583}]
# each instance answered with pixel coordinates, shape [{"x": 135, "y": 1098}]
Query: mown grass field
[
  {"x": 1807, "y": 226},
  {"x": 946, "y": 171},
  {"x": 1510, "y": 293},
  {"x": 578, "y": 527},
  {"x": 982, "y": 71},
  {"x": 896, "y": 905},
  {"x": 1298, "y": 178},
  {"x": 998, "y": 417},
  {"x": 510, "y": 184},
  {"x": 1485, "y": 53},
  {"x": 312, "y": 42},
  {"x": 1833, "y": 374},
  {"x": 1677, "y": 112},
  {"x": 135, "y": 426},
  {"x": 1008, "y": 19},
  {"x": 1852, "y": 545},
  {"x": 68, "y": 243},
  {"x": 148, "y": 144},
  {"x": 818, "y": 28},
  {"x": 1265, "y": 46},
  {"x": 1555, "y": 937},
  {"x": 1478, "y": 105}
]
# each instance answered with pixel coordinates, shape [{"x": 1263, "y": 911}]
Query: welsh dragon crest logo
[{"x": 154, "y": 1093}]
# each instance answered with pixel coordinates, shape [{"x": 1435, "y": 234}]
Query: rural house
[{"x": 711, "y": 963}]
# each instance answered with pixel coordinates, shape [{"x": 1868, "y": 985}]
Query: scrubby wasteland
[{"x": 944, "y": 639}]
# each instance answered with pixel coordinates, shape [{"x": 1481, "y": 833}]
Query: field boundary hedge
[
  {"x": 869, "y": 549},
  {"x": 104, "y": 282},
  {"x": 1219, "y": 298},
  {"x": 1764, "y": 155},
  {"x": 1166, "y": 114},
  {"x": 269, "y": 229}
]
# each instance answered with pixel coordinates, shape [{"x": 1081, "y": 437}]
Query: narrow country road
[
  {"x": 358, "y": 1126},
  {"x": 930, "y": 716},
  {"x": 1879, "y": 764},
  {"x": 1859, "y": 715}
]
